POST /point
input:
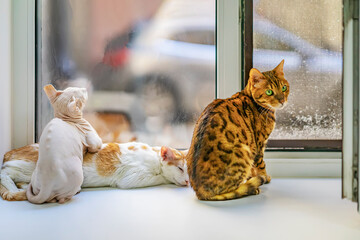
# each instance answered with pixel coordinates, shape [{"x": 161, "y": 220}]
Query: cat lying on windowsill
[{"x": 125, "y": 165}]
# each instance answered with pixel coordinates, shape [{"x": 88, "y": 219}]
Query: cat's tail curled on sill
[{"x": 12, "y": 196}]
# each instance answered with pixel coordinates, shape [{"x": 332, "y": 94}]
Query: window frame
[
  {"x": 6, "y": 75},
  {"x": 228, "y": 48},
  {"x": 275, "y": 144},
  {"x": 23, "y": 72},
  {"x": 228, "y": 80},
  {"x": 351, "y": 134},
  {"x": 231, "y": 17}
]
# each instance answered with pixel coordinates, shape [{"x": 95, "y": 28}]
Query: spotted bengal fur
[{"x": 225, "y": 159}]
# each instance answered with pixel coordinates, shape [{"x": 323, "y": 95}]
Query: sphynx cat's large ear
[{"x": 51, "y": 92}]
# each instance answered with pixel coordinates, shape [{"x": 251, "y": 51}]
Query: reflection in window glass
[
  {"x": 149, "y": 66},
  {"x": 308, "y": 35}
]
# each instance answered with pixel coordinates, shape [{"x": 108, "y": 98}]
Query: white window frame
[
  {"x": 6, "y": 74},
  {"x": 23, "y": 72},
  {"x": 279, "y": 164},
  {"x": 351, "y": 143},
  {"x": 17, "y": 67}
]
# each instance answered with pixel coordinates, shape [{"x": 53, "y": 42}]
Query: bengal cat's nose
[{"x": 281, "y": 99}]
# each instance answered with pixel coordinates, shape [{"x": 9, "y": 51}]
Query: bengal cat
[{"x": 225, "y": 159}]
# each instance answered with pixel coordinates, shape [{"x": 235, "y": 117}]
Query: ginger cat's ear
[
  {"x": 255, "y": 76},
  {"x": 279, "y": 69},
  {"x": 167, "y": 154},
  {"x": 185, "y": 152},
  {"x": 51, "y": 92}
]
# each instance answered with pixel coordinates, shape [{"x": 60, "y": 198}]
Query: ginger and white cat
[
  {"x": 58, "y": 174},
  {"x": 125, "y": 165}
]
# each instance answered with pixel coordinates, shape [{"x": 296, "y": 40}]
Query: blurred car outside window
[{"x": 149, "y": 66}]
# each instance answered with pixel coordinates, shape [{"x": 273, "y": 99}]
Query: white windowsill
[
  {"x": 303, "y": 164},
  {"x": 286, "y": 209}
]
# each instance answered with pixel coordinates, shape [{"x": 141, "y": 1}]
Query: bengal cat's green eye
[
  {"x": 269, "y": 92},
  {"x": 284, "y": 88}
]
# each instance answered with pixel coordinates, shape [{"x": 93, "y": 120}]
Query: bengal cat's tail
[
  {"x": 12, "y": 196},
  {"x": 251, "y": 187}
]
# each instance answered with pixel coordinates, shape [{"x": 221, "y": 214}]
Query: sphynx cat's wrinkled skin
[{"x": 58, "y": 174}]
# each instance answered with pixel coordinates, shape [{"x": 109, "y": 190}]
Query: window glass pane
[
  {"x": 149, "y": 66},
  {"x": 308, "y": 35}
]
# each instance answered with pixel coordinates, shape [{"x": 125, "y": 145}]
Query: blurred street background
[{"x": 149, "y": 66}]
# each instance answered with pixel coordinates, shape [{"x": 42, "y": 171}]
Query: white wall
[{"x": 5, "y": 77}]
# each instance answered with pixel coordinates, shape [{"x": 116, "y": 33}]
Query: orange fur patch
[
  {"x": 20, "y": 184},
  {"x": 155, "y": 150},
  {"x": 144, "y": 147},
  {"x": 28, "y": 152},
  {"x": 89, "y": 158},
  {"x": 107, "y": 159},
  {"x": 132, "y": 148},
  {"x": 9, "y": 196},
  {"x": 110, "y": 126},
  {"x": 178, "y": 155}
]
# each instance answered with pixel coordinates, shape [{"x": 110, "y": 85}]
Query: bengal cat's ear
[
  {"x": 51, "y": 92},
  {"x": 167, "y": 154},
  {"x": 279, "y": 69},
  {"x": 255, "y": 76}
]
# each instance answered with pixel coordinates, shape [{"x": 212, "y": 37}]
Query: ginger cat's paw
[
  {"x": 94, "y": 149},
  {"x": 94, "y": 142},
  {"x": 22, "y": 185}
]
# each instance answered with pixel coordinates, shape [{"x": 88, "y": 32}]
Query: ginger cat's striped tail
[
  {"x": 12, "y": 196},
  {"x": 14, "y": 161}
]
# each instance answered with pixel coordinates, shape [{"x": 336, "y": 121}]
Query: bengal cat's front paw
[
  {"x": 253, "y": 191},
  {"x": 268, "y": 179}
]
